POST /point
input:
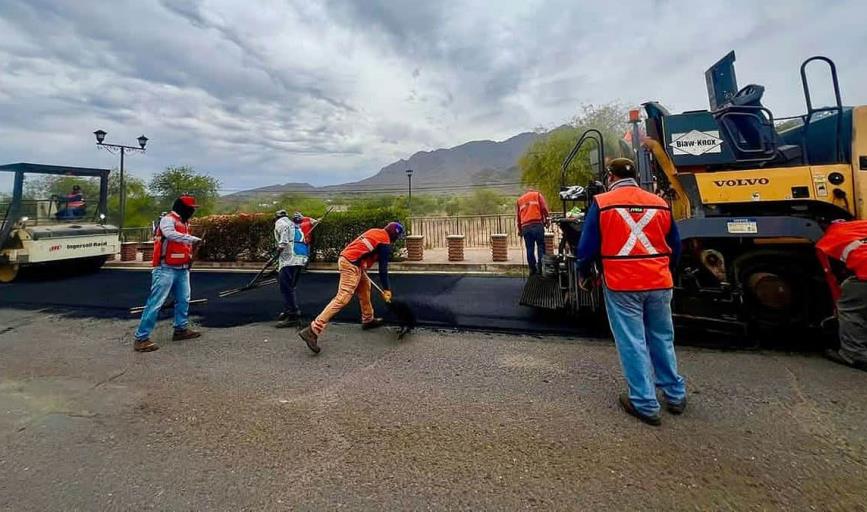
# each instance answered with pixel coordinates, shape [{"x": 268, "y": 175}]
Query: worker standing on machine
[
  {"x": 633, "y": 233},
  {"x": 173, "y": 254},
  {"x": 293, "y": 245},
  {"x": 371, "y": 247},
  {"x": 846, "y": 241},
  {"x": 532, "y": 217}
]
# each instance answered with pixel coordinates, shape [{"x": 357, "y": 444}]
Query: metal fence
[
  {"x": 144, "y": 234},
  {"x": 477, "y": 229}
]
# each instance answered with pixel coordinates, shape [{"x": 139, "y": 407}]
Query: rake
[
  {"x": 405, "y": 315},
  {"x": 169, "y": 304}
]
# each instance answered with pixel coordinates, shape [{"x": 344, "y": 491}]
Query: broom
[{"x": 404, "y": 313}]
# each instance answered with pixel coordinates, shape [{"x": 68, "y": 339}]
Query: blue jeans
[
  {"x": 164, "y": 280},
  {"x": 288, "y": 279},
  {"x": 534, "y": 238},
  {"x": 644, "y": 335}
]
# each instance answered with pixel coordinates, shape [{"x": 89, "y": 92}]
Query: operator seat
[{"x": 750, "y": 130}]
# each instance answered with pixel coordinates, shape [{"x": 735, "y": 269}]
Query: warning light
[{"x": 635, "y": 115}]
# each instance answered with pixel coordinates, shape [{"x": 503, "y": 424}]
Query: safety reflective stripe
[
  {"x": 528, "y": 203},
  {"x": 851, "y": 247},
  {"x": 366, "y": 243},
  {"x": 636, "y": 232}
]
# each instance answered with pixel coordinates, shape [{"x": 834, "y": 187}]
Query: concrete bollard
[
  {"x": 415, "y": 247},
  {"x": 456, "y": 247},
  {"x": 549, "y": 242},
  {"x": 128, "y": 251},
  {"x": 147, "y": 250},
  {"x": 499, "y": 247}
]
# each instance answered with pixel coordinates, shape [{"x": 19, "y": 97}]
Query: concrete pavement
[{"x": 245, "y": 418}]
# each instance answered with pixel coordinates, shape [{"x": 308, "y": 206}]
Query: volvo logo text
[{"x": 741, "y": 182}]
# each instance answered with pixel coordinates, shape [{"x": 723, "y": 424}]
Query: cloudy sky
[{"x": 262, "y": 92}]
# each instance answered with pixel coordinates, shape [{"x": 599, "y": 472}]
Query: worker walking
[
  {"x": 173, "y": 254},
  {"x": 532, "y": 217},
  {"x": 847, "y": 242},
  {"x": 372, "y": 246},
  {"x": 293, "y": 244},
  {"x": 633, "y": 234}
]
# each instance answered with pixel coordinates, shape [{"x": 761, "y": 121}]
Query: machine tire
[{"x": 8, "y": 272}]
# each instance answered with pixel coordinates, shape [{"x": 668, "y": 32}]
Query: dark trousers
[
  {"x": 852, "y": 315},
  {"x": 534, "y": 240},
  {"x": 288, "y": 279}
]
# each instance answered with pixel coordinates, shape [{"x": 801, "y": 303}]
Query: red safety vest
[
  {"x": 306, "y": 227},
  {"x": 847, "y": 242},
  {"x": 530, "y": 208},
  {"x": 634, "y": 225},
  {"x": 362, "y": 250},
  {"x": 169, "y": 251},
  {"x": 74, "y": 201}
]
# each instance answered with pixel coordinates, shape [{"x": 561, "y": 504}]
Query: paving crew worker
[
  {"x": 294, "y": 246},
  {"x": 847, "y": 241},
  {"x": 532, "y": 216},
  {"x": 633, "y": 233},
  {"x": 74, "y": 204},
  {"x": 372, "y": 246},
  {"x": 173, "y": 254}
]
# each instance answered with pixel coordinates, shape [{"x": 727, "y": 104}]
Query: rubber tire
[{"x": 8, "y": 272}]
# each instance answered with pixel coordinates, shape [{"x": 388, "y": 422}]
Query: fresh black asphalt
[{"x": 439, "y": 300}]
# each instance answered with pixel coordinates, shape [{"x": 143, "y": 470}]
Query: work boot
[
  {"x": 373, "y": 324},
  {"x": 675, "y": 408},
  {"x": 288, "y": 320},
  {"x": 310, "y": 338},
  {"x": 145, "y": 346},
  {"x": 185, "y": 334},
  {"x": 834, "y": 355},
  {"x": 630, "y": 409}
]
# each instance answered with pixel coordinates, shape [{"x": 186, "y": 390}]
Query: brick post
[
  {"x": 549, "y": 243},
  {"x": 499, "y": 247},
  {"x": 128, "y": 251},
  {"x": 415, "y": 247},
  {"x": 147, "y": 250},
  {"x": 456, "y": 247}
]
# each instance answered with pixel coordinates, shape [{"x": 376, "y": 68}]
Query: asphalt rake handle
[{"x": 405, "y": 315}]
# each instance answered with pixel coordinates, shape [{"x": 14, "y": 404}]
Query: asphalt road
[{"x": 439, "y": 300}]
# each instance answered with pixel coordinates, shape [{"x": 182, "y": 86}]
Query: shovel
[
  {"x": 169, "y": 304},
  {"x": 404, "y": 313}
]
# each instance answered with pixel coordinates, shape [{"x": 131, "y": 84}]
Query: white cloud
[{"x": 261, "y": 92}]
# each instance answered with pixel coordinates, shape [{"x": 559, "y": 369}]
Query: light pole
[
  {"x": 115, "y": 149},
  {"x": 409, "y": 199}
]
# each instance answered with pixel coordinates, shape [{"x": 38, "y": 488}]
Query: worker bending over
[
  {"x": 173, "y": 254},
  {"x": 532, "y": 216},
  {"x": 372, "y": 246},
  {"x": 633, "y": 233},
  {"x": 847, "y": 242},
  {"x": 293, "y": 244}
]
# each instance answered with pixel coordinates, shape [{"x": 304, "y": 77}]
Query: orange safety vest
[
  {"x": 530, "y": 208},
  {"x": 172, "y": 252},
  {"x": 362, "y": 250},
  {"x": 634, "y": 225},
  {"x": 847, "y": 242}
]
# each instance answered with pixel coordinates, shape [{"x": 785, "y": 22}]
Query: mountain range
[{"x": 442, "y": 171}]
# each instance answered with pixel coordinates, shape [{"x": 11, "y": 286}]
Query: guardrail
[{"x": 477, "y": 229}]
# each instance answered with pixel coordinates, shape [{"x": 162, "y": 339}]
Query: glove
[{"x": 386, "y": 295}]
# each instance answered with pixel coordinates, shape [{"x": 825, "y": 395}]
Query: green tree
[
  {"x": 483, "y": 202},
  {"x": 141, "y": 207},
  {"x": 542, "y": 162},
  {"x": 175, "y": 181}
]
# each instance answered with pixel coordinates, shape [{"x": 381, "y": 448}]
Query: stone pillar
[
  {"x": 456, "y": 247},
  {"x": 499, "y": 247},
  {"x": 128, "y": 251},
  {"x": 549, "y": 243},
  {"x": 415, "y": 247},
  {"x": 147, "y": 250}
]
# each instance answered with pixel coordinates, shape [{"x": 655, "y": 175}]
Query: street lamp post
[
  {"x": 115, "y": 149},
  {"x": 409, "y": 199}
]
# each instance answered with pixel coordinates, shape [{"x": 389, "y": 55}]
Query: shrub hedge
[{"x": 250, "y": 237}]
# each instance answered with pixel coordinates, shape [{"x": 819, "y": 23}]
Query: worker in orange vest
[
  {"x": 373, "y": 246},
  {"x": 532, "y": 217},
  {"x": 634, "y": 235},
  {"x": 847, "y": 242},
  {"x": 173, "y": 254}
]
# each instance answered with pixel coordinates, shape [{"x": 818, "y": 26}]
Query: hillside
[{"x": 440, "y": 171}]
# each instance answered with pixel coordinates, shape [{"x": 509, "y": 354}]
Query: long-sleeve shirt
[
  {"x": 383, "y": 252},
  {"x": 288, "y": 234},
  {"x": 167, "y": 227},
  {"x": 590, "y": 244}
]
